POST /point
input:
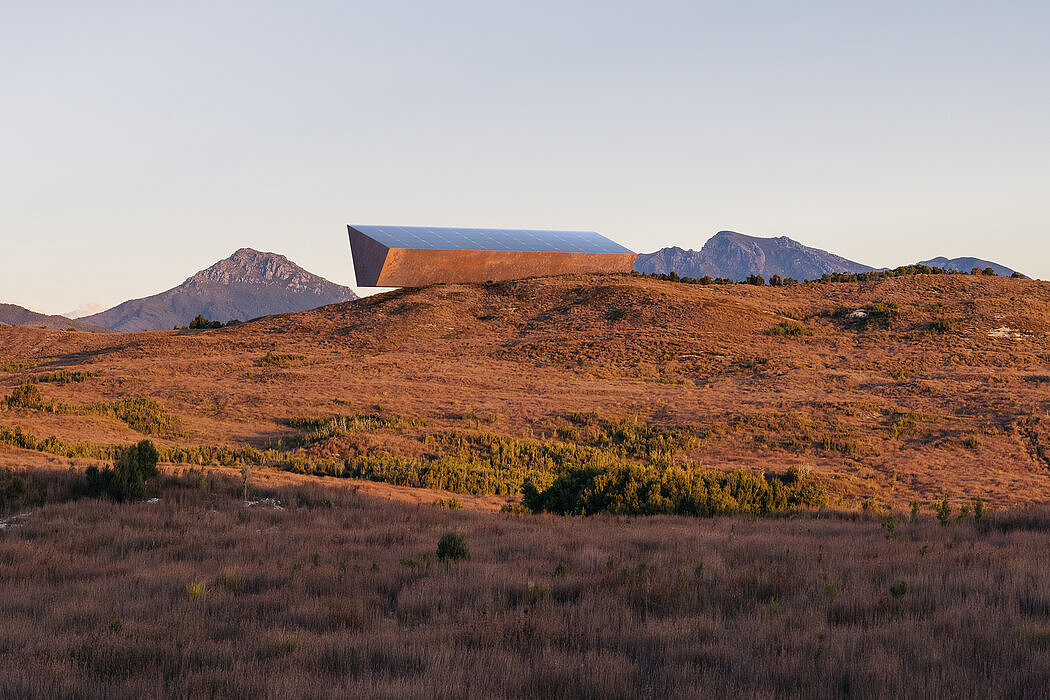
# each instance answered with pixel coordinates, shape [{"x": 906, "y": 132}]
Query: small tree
[
  {"x": 126, "y": 481},
  {"x": 452, "y": 547},
  {"x": 25, "y": 395},
  {"x": 944, "y": 511}
]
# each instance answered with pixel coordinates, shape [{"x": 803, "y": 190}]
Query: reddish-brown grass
[
  {"x": 514, "y": 358},
  {"x": 341, "y": 594}
]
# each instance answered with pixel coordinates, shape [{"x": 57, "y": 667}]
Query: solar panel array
[{"x": 530, "y": 240}]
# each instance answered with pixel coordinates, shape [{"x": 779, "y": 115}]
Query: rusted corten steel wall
[{"x": 377, "y": 265}]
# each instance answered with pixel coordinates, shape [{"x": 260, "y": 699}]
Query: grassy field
[
  {"x": 319, "y": 591},
  {"x": 888, "y": 476}
]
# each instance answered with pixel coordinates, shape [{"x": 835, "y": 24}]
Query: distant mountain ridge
[
  {"x": 968, "y": 264},
  {"x": 246, "y": 285},
  {"x": 14, "y": 315},
  {"x": 736, "y": 256}
]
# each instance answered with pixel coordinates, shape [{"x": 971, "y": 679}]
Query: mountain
[
  {"x": 14, "y": 315},
  {"x": 246, "y": 285},
  {"x": 84, "y": 310},
  {"x": 967, "y": 264},
  {"x": 734, "y": 255}
]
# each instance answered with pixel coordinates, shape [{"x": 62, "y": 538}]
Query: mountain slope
[
  {"x": 246, "y": 285},
  {"x": 14, "y": 315},
  {"x": 967, "y": 264},
  {"x": 735, "y": 255}
]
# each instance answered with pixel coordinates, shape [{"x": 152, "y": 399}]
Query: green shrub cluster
[
  {"x": 16, "y": 437},
  {"x": 790, "y": 329},
  {"x": 142, "y": 414},
  {"x": 452, "y": 547},
  {"x": 626, "y": 437},
  {"x": 631, "y": 489},
  {"x": 282, "y": 360},
  {"x": 64, "y": 376},
  {"x": 13, "y": 489},
  {"x": 126, "y": 480},
  {"x": 16, "y": 365},
  {"x": 318, "y": 429},
  {"x": 776, "y": 281},
  {"x": 25, "y": 395}
]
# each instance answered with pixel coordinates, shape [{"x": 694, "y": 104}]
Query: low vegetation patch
[
  {"x": 65, "y": 376},
  {"x": 792, "y": 329},
  {"x": 626, "y": 437},
  {"x": 144, "y": 415},
  {"x": 645, "y": 490},
  {"x": 201, "y": 323},
  {"x": 16, "y": 365},
  {"x": 126, "y": 480},
  {"x": 282, "y": 360},
  {"x": 314, "y": 430}
]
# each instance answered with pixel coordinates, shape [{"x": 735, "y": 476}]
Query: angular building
[{"x": 413, "y": 256}]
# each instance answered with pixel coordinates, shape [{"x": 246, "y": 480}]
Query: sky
[{"x": 141, "y": 142}]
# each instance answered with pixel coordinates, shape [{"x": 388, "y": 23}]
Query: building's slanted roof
[{"x": 518, "y": 240}]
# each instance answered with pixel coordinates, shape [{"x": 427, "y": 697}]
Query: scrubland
[{"x": 880, "y": 482}]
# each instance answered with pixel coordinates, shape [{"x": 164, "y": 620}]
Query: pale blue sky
[{"x": 140, "y": 142}]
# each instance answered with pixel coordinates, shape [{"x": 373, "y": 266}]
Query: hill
[
  {"x": 247, "y": 285},
  {"x": 14, "y": 315},
  {"x": 968, "y": 264},
  {"x": 736, "y": 256},
  {"x": 936, "y": 387}
]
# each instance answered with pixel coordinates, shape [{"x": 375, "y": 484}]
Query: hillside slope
[
  {"x": 938, "y": 387},
  {"x": 247, "y": 285},
  {"x": 14, "y": 315},
  {"x": 736, "y": 256}
]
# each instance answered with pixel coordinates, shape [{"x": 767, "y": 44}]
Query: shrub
[
  {"x": 790, "y": 329},
  {"x": 141, "y": 414},
  {"x": 25, "y": 395},
  {"x": 980, "y": 513},
  {"x": 630, "y": 489},
  {"x": 202, "y": 323},
  {"x": 127, "y": 480},
  {"x": 13, "y": 489},
  {"x": 942, "y": 325},
  {"x": 283, "y": 361},
  {"x": 452, "y": 547},
  {"x": 944, "y": 511},
  {"x": 899, "y": 588},
  {"x": 756, "y": 280},
  {"x": 449, "y": 503}
]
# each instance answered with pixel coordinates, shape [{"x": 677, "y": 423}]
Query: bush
[
  {"x": 127, "y": 480},
  {"x": 282, "y": 360},
  {"x": 202, "y": 323},
  {"x": 943, "y": 325},
  {"x": 452, "y": 547},
  {"x": 25, "y": 395},
  {"x": 944, "y": 512},
  {"x": 629, "y": 489},
  {"x": 790, "y": 329}
]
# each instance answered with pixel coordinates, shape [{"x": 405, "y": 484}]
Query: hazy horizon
[{"x": 148, "y": 142}]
